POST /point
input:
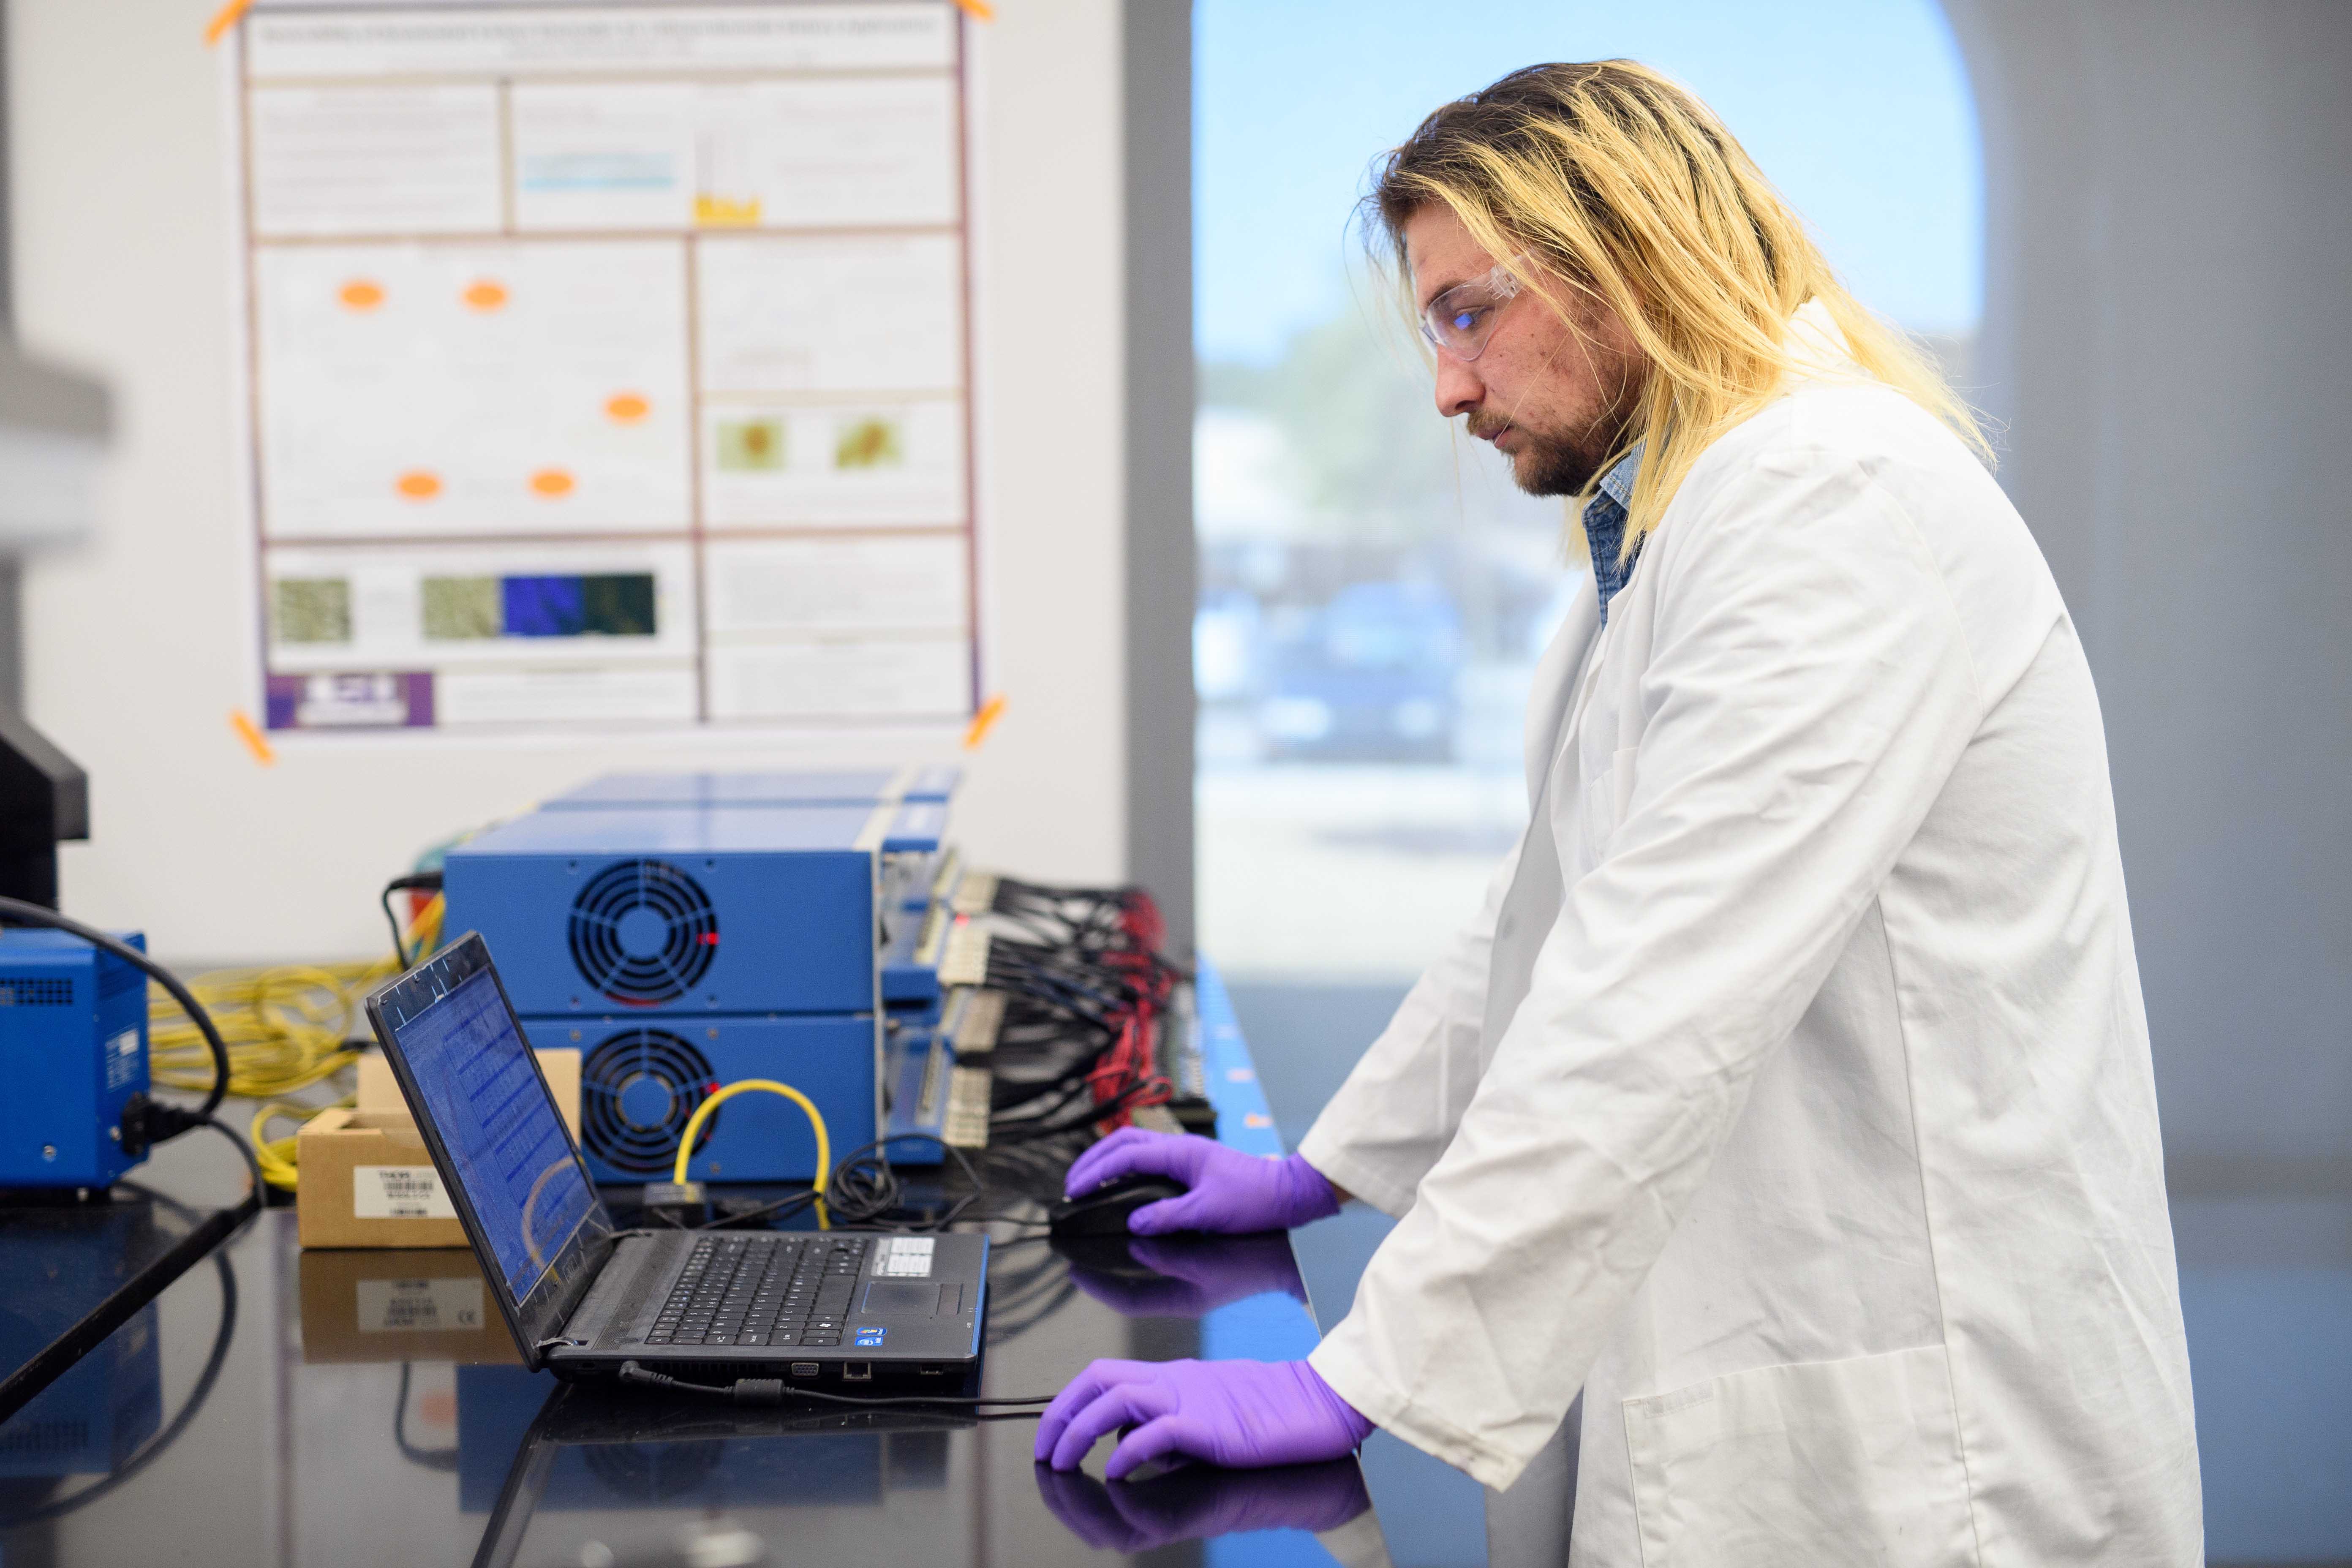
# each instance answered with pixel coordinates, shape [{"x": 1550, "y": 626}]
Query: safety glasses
[{"x": 1460, "y": 320}]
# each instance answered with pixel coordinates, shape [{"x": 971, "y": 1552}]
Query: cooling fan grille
[
  {"x": 644, "y": 932},
  {"x": 637, "y": 1089}
]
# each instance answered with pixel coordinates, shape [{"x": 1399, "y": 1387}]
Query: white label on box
[
  {"x": 419, "y": 1306},
  {"x": 399, "y": 1191},
  {"x": 905, "y": 1258}
]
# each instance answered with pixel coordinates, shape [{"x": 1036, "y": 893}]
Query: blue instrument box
[
  {"x": 683, "y": 911},
  {"x": 73, "y": 1021},
  {"x": 915, "y": 1064},
  {"x": 837, "y": 786},
  {"x": 101, "y": 1408},
  {"x": 913, "y": 940},
  {"x": 641, "y": 1077}
]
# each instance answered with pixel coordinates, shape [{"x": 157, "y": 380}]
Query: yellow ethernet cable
[{"x": 703, "y": 1113}]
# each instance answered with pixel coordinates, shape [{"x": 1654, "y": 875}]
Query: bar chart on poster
[{"x": 609, "y": 364}]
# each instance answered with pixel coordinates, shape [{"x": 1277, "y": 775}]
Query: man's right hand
[{"x": 1231, "y": 1193}]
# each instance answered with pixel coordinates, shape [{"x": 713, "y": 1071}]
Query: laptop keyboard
[{"x": 773, "y": 1290}]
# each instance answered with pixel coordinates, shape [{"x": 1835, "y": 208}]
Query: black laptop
[
  {"x": 582, "y": 1298},
  {"x": 708, "y": 1468}
]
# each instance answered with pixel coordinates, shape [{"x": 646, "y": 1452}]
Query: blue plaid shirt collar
[{"x": 1604, "y": 528}]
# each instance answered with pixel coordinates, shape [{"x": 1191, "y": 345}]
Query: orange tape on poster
[
  {"x": 254, "y": 741},
  {"x": 983, "y": 721},
  {"x": 227, "y": 16}
]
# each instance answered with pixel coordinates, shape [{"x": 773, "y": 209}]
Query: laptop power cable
[{"x": 774, "y": 1391}]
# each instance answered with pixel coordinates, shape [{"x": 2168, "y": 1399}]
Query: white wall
[{"x": 137, "y": 646}]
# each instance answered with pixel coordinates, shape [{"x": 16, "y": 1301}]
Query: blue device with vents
[
  {"x": 912, "y": 942},
  {"x": 73, "y": 1021},
  {"x": 681, "y": 949},
  {"x": 916, "y": 1062},
  {"x": 835, "y": 787},
  {"x": 102, "y": 1407},
  {"x": 641, "y": 1078},
  {"x": 681, "y": 911},
  {"x": 916, "y": 828},
  {"x": 911, "y": 846}
]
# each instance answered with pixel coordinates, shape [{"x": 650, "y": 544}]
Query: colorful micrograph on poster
[
  {"x": 609, "y": 363},
  {"x": 851, "y": 465}
]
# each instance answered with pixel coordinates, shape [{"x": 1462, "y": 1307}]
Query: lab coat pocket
[
  {"x": 1600, "y": 807},
  {"x": 1854, "y": 1461}
]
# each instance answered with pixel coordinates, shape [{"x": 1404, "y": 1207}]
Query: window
[{"x": 1373, "y": 592}]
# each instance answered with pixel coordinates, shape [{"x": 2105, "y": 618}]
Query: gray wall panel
[
  {"x": 2169, "y": 336},
  {"x": 1160, "y": 562}
]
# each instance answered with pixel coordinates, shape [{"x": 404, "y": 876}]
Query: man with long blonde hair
[{"x": 1790, "y": 1098}]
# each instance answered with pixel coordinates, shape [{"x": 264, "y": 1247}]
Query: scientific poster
[{"x": 609, "y": 363}]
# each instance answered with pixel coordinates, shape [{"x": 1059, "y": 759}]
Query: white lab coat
[{"x": 1812, "y": 1131}]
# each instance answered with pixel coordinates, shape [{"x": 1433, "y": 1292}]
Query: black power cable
[
  {"x": 1025, "y": 1133},
  {"x": 774, "y": 1391},
  {"x": 260, "y": 1193},
  {"x": 427, "y": 1459},
  {"x": 416, "y": 882},
  {"x": 154, "y": 1446},
  {"x": 863, "y": 1190},
  {"x": 161, "y": 1121}
]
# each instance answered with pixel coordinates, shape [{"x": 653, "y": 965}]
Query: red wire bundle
[{"x": 1127, "y": 1077}]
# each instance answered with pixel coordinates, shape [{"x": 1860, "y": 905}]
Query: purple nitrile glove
[
  {"x": 1199, "y": 1502},
  {"x": 1243, "y": 1415},
  {"x": 1193, "y": 1276},
  {"x": 1231, "y": 1193}
]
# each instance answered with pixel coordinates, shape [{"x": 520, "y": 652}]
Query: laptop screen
[{"x": 498, "y": 1128}]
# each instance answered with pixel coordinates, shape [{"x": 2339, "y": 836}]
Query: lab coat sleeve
[
  {"x": 1397, "y": 1111},
  {"x": 1808, "y": 691}
]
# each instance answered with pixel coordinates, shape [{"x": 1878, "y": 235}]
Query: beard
[{"x": 1558, "y": 463}]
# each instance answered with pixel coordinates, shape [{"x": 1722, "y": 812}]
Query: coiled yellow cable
[
  {"x": 275, "y": 1155},
  {"x": 703, "y": 1113},
  {"x": 287, "y": 1028}
]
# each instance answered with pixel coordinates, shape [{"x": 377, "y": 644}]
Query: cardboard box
[
  {"x": 380, "y": 1090},
  {"x": 405, "y": 1306},
  {"x": 367, "y": 1178}
]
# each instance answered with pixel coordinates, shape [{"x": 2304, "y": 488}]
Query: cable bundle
[
  {"x": 1086, "y": 989},
  {"x": 863, "y": 1191},
  {"x": 287, "y": 1028}
]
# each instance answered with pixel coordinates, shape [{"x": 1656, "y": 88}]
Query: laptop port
[
  {"x": 857, "y": 1372},
  {"x": 803, "y": 1369}
]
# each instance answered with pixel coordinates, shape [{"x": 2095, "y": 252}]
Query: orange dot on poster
[
  {"x": 361, "y": 294},
  {"x": 419, "y": 484},
  {"x": 627, "y": 407},
  {"x": 552, "y": 482},
  {"x": 485, "y": 295}
]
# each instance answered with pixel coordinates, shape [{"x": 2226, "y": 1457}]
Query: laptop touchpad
[{"x": 910, "y": 1298}]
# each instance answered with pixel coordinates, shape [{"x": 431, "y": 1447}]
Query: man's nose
[{"x": 1459, "y": 390}]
